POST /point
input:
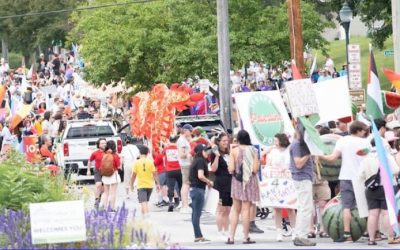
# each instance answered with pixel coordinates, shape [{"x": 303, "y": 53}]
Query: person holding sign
[
  {"x": 279, "y": 159},
  {"x": 243, "y": 165}
]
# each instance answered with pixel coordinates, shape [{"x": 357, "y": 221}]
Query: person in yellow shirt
[
  {"x": 38, "y": 125},
  {"x": 145, "y": 172}
]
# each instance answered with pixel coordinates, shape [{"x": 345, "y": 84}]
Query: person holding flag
[{"x": 376, "y": 201}]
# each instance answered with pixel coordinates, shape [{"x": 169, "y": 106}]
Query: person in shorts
[
  {"x": 185, "y": 159},
  {"x": 353, "y": 149},
  {"x": 145, "y": 172},
  {"x": 97, "y": 157}
]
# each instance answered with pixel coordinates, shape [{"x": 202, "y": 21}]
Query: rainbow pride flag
[{"x": 386, "y": 179}]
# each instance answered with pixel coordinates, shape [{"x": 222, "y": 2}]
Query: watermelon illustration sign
[{"x": 263, "y": 115}]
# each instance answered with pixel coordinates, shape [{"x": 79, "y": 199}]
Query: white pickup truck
[{"x": 78, "y": 141}]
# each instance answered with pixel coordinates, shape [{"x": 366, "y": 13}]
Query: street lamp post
[{"x": 346, "y": 15}]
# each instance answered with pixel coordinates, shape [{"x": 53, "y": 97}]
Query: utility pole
[
  {"x": 396, "y": 34},
  {"x": 4, "y": 49},
  {"x": 295, "y": 34},
  {"x": 224, "y": 65}
]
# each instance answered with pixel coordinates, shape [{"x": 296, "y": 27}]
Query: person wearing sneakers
[
  {"x": 129, "y": 154},
  {"x": 173, "y": 171},
  {"x": 185, "y": 159},
  {"x": 376, "y": 197},
  {"x": 198, "y": 177},
  {"x": 160, "y": 166},
  {"x": 97, "y": 157},
  {"x": 353, "y": 149},
  {"x": 145, "y": 171},
  {"x": 301, "y": 168},
  {"x": 279, "y": 159}
]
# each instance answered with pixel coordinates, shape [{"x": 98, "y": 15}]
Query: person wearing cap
[
  {"x": 198, "y": 177},
  {"x": 185, "y": 159}
]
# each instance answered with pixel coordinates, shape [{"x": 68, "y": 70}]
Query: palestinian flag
[
  {"x": 374, "y": 97},
  {"x": 311, "y": 135},
  {"x": 392, "y": 77}
]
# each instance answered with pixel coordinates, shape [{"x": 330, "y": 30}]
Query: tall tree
[
  {"x": 173, "y": 39},
  {"x": 26, "y": 33}
]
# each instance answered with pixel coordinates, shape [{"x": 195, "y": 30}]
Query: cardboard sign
[
  {"x": 204, "y": 85},
  {"x": 277, "y": 189},
  {"x": 301, "y": 97},
  {"x": 57, "y": 222},
  {"x": 263, "y": 115}
]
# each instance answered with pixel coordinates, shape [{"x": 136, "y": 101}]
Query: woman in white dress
[{"x": 279, "y": 158}]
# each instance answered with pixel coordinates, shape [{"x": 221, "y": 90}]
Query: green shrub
[{"x": 24, "y": 183}]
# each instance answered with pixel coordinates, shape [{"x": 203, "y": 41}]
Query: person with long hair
[
  {"x": 243, "y": 165},
  {"x": 279, "y": 159},
  {"x": 111, "y": 182},
  {"x": 198, "y": 178},
  {"x": 223, "y": 179},
  {"x": 97, "y": 157}
]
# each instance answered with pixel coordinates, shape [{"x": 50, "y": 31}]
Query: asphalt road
[{"x": 179, "y": 228}]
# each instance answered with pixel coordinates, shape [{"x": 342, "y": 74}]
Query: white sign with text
[
  {"x": 57, "y": 222},
  {"x": 301, "y": 98},
  {"x": 277, "y": 189}
]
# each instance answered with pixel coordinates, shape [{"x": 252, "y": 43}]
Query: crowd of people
[{"x": 190, "y": 160}]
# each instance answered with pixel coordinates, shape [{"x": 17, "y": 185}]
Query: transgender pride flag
[{"x": 386, "y": 179}]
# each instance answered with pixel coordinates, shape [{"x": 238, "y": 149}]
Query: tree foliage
[
  {"x": 25, "y": 34},
  {"x": 377, "y": 15},
  {"x": 171, "y": 40}
]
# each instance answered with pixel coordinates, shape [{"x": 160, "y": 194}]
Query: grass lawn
[{"x": 337, "y": 50}]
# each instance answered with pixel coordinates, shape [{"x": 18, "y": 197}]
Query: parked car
[{"x": 78, "y": 141}]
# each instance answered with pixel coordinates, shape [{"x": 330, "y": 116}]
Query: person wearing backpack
[
  {"x": 375, "y": 194},
  {"x": 243, "y": 165},
  {"x": 109, "y": 172},
  {"x": 145, "y": 172}
]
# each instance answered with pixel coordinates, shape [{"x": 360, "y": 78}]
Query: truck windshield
[{"x": 90, "y": 131}]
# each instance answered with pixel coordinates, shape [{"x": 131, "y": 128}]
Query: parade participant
[
  {"x": 162, "y": 175},
  {"x": 223, "y": 179},
  {"x": 376, "y": 197},
  {"x": 279, "y": 159},
  {"x": 145, "y": 172},
  {"x": 129, "y": 154},
  {"x": 7, "y": 137},
  {"x": 97, "y": 156},
  {"x": 244, "y": 165},
  {"x": 353, "y": 149},
  {"x": 198, "y": 181},
  {"x": 301, "y": 167},
  {"x": 111, "y": 182},
  {"x": 185, "y": 159},
  {"x": 173, "y": 170}
]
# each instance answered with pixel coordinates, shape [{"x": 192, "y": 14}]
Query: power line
[{"x": 76, "y": 9}]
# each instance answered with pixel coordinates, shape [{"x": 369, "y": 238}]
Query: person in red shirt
[
  {"x": 159, "y": 164},
  {"x": 111, "y": 182},
  {"x": 45, "y": 149},
  {"x": 97, "y": 156},
  {"x": 173, "y": 170}
]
